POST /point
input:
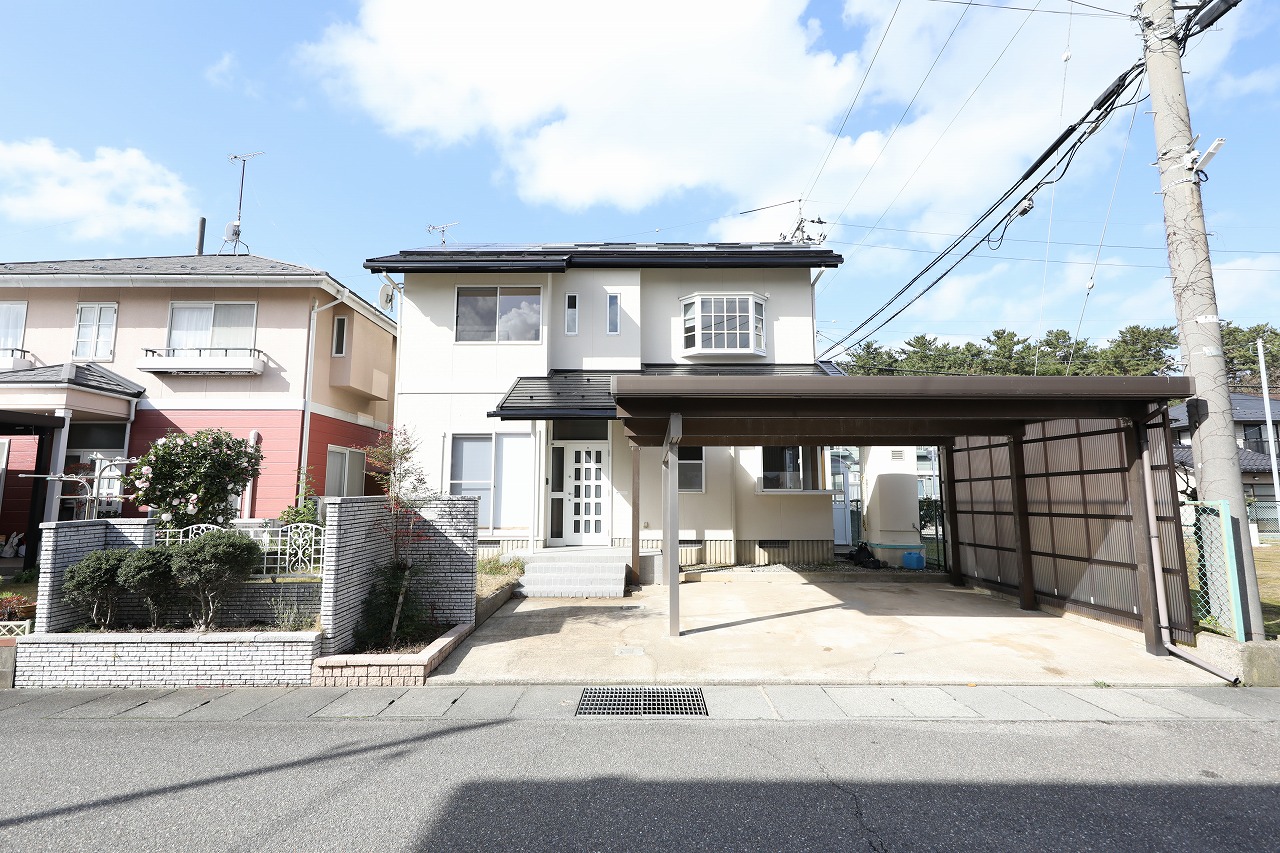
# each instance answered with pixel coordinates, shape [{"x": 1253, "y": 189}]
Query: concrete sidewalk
[
  {"x": 787, "y": 628},
  {"x": 548, "y": 702}
]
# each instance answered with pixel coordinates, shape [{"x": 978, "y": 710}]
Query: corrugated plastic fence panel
[{"x": 1079, "y": 514}]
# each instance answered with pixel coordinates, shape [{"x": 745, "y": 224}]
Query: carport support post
[
  {"x": 633, "y": 576},
  {"x": 1022, "y": 524},
  {"x": 1136, "y": 481},
  {"x": 952, "y": 530},
  {"x": 671, "y": 517}
]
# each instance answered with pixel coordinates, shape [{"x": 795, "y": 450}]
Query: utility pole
[{"x": 1213, "y": 442}]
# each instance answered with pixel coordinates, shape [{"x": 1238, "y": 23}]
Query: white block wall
[{"x": 166, "y": 660}]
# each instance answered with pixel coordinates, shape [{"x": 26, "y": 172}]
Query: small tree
[
  {"x": 195, "y": 479},
  {"x": 209, "y": 566},
  {"x": 396, "y": 469},
  {"x": 149, "y": 573},
  {"x": 94, "y": 584}
]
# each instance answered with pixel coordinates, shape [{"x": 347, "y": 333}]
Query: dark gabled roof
[
  {"x": 207, "y": 265},
  {"x": 568, "y": 394},
  {"x": 1251, "y": 462},
  {"x": 1245, "y": 408},
  {"x": 89, "y": 376},
  {"x": 559, "y": 257}
]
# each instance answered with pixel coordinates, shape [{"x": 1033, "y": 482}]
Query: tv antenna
[
  {"x": 440, "y": 229},
  {"x": 232, "y": 233}
]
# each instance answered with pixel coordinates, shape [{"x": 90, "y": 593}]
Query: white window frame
[
  {"x": 94, "y": 355},
  {"x": 813, "y": 456},
  {"x": 497, "y": 315},
  {"x": 212, "y": 306},
  {"x": 613, "y": 314},
  {"x": 346, "y": 470},
  {"x": 22, "y": 332},
  {"x": 571, "y": 313},
  {"x": 491, "y": 483},
  {"x": 341, "y": 327},
  {"x": 700, "y": 463},
  {"x": 691, "y": 308}
]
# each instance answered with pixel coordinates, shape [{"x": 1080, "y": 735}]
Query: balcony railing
[
  {"x": 13, "y": 358},
  {"x": 204, "y": 361},
  {"x": 1257, "y": 445}
]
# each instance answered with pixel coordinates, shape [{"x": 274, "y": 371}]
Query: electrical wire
[
  {"x": 1090, "y": 123},
  {"x": 905, "y": 112},
  {"x": 866, "y": 75},
  {"x": 938, "y": 141},
  {"x": 1109, "y": 13},
  {"x": 1101, "y": 237}
]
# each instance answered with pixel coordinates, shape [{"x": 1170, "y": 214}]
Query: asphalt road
[{"x": 645, "y": 785}]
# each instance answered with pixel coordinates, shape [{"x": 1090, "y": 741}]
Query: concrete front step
[
  {"x": 574, "y": 555},
  {"x": 574, "y": 580}
]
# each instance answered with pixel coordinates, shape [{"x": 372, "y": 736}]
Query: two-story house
[
  {"x": 121, "y": 351},
  {"x": 514, "y": 349},
  {"x": 1253, "y": 436}
]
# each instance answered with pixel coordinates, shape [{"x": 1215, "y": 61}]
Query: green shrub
[
  {"x": 94, "y": 584},
  {"x": 149, "y": 573},
  {"x": 500, "y": 566},
  {"x": 210, "y": 566},
  {"x": 377, "y": 614},
  {"x": 194, "y": 479},
  {"x": 292, "y": 616}
]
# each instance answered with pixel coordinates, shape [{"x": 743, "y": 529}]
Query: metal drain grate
[{"x": 642, "y": 702}]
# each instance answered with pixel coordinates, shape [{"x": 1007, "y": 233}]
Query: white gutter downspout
[
  {"x": 1157, "y": 563},
  {"x": 246, "y": 505},
  {"x": 306, "y": 400}
]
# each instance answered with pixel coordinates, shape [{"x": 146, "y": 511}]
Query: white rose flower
[
  {"x": 191, "y": 510},
  {"x": 166, "y": 516}
]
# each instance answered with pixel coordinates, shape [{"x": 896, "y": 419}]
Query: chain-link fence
[
  {"x": 1266, "y": 514},
  {"x": 1211, "y": 564}
]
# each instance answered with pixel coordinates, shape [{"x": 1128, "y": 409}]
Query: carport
[{"x": 1057, "y": 490}]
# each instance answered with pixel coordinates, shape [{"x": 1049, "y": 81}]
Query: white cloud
[
  {"x": 221, "y": 73},
  {"x": 116, "y": 192}
]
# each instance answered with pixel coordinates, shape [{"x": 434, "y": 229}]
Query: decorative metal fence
[
  {"x": 1211, "y": 567},
  {"x": 295, "y": 550}
]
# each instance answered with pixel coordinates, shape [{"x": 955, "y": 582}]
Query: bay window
[{"x": 716, "y": 323}]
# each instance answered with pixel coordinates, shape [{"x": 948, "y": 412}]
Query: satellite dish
[
  {"x": 387, "y": 296},
  {"x": 232, "y": 234}
]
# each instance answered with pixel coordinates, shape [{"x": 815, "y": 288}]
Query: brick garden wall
[
  {"x": 65, "y": 542},
  {"x": 166, "y": 660},
  {"x": 357, "y": 541}
]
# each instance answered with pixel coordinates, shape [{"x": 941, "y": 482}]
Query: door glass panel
[
  {"x": 577, "y": 526},
  {"x": 557, "y": 518},
  {"x": 557, "y": 469}
]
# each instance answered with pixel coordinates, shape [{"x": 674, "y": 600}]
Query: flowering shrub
[{"x": 194, "y": 479}]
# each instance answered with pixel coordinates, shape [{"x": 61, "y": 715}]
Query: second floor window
[
  {"x": 501, "y": 314},
  {"x": 13, "y": 322},
  {"x": 340, "y": 335},
  {"x": 211, "y": 325},
  {"x": 95, "y": 330},
  {"x": 730, "y": 323}
]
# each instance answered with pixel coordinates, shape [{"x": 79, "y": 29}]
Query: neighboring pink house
[{"x": 104, "y": 356}]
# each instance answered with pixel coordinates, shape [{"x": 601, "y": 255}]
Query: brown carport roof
[{"x": 784, "y": 410}]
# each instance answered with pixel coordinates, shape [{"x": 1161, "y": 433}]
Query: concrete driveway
[{"x": 791, "y": 630}]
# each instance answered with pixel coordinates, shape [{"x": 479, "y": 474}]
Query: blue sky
[{"x": 639, "y": 122}]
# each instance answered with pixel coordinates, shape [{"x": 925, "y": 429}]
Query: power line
[
  {"x": 941, "y": 136},
  {"x": 1108, "y": 12},
  {"x": 867, "y": 74},
  {"x": 1103, "y": 106}
]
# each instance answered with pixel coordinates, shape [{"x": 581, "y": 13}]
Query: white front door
[{"x": 580, "y": 494}]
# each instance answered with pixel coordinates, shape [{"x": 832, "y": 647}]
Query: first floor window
[
  {"x": 95, "y": 330},
  {"x": 13, "y": 321},
  {"x": 690, "y": 474},
  {"x": 501, "y": 314},
  {"x": 497, "y": 469},
  {"x": 790, "y": 468},
  {"x": 344, "y": 473},
  {"x": 724, "y": 323},
  {"x": 217, "y": 325}
]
